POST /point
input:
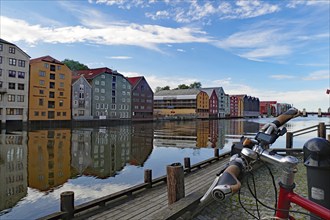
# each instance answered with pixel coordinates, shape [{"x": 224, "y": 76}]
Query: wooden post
[
  {"x": 148, "y": 177},
  {"x": 216, "y": 153},
  {"x": 328, "y": 137},
  {"x": 187, "y": 164},
  {"x": 321, "y": 130},
  {"x": 289, "y": 139},
  {"x": 175, "y": 182},
  {"x": 67, "y": 204}
]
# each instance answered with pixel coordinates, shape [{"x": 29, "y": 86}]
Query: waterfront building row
[{"x": 44, "y": 88}]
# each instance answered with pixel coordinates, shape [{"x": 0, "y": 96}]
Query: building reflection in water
[
  {"x": 81, "y": 146},
  {"x": 142, "y": 143},
  {"x": 49, "y": 158},
  {"x": 13, "y": 168}
]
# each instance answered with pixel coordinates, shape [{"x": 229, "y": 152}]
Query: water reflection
[
  {"x": 13, "y": 169},
  {"x": 45, "y": 162}
]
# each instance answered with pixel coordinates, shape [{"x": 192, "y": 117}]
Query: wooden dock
[{"x": 148, "y": 203}]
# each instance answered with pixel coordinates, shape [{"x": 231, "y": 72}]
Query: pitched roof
[
  {"x": 92, "y": 73},
  {"x": 6, "y": 42},
  {"x": 134, "y": 80},
  {"x": 177, "y": 92},
  {"x": 208, "y": 91},
  {"x": 46, "y": 59}
]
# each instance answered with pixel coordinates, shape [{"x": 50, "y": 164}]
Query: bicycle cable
[
  {"x": 274, "y": 184},
  {"x": 276, "y": 209},
  {"x": 245, "y": 209}
]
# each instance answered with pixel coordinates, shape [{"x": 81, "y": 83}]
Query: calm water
[{"x": 36, "y": 166}]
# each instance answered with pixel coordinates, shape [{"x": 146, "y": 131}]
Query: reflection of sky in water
[{"x": 37, "y": 204}]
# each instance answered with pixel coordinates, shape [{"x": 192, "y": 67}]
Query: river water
[{"x": 37, "y": 165}]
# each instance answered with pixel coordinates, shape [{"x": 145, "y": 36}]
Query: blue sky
[{"x": 273, "y": 50}]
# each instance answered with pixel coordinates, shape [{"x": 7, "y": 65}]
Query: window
[
  {"x": 11, "y": 98},
  {"x": 1, "y": 47},
  {"x": 61, "y": 93},
  {"x": 20, "y": 98},
  {"x": 61, "y": 76},
  {"x": 58, "y": 113},
  {"x": 1, "y": 84},
  {"x": 81, "y": 95},
  {"x": 113, "y": 78},
  {"x": 11, "y": 49},
  {"x": 12, "y": 61},
  {"x": 41, "y": 102},
  {"x": 113, "y": 100},
  {"x": 113, "y": 92},
  {"x": 51, "y": 94},
  {"x": 36, "y": 113},
  {"x": 61, "y": 103},
  {"x": 97, "y": 82},
  {"x": 103, "y": 77},
  {"x": 103, "y": 83},
  {"x": 97, "y": 89},
  {"x": 97, "y": 97},
  {"x": 21, "y": 63},
  {"x": 102, "y": 90},
  {"x": 52, "y": 68},
  {"x": 43, "y": 113},
  {"x": 102, "y": 98},
  {"x": 51, "y": 114},
  {"x": 42, "y": 73},
  {"x": 20, "y": 86},
  {"x": 0, "y": 72},
  {"x": 113, "y": 107},
  {"x": 41, "y": 82},
  {"x": 51, "y": 104},
  {"x": 52, "y": 85},
  {"x": 58, "y": 67},
  {"x": 41, "y": 92},
  {"x": 21, "y": 75},
  {"x": 11, "y": 85},
  {"x": 61, "y": 84},
  {"x": 52, "y": 76},
  {"x": 11, "y": 73}
]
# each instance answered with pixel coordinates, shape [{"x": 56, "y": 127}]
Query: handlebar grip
[
  {"x": 286, "y": 116},
  {"x": 228, "y": 183}
]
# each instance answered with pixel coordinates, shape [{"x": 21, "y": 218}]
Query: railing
[
  {"x": 68, "y": 210},
  {"x": 320, "y": 128}
]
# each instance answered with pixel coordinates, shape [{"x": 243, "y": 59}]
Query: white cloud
[
  {"x": 147, "y": 36},
  {"x": 318, "y": 75},
  {"x": 180, "y": 50},
  {"x": 280, "y": 77},
  {"x": 119, "y": 57}
]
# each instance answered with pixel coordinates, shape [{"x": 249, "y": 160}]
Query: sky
[{"x": 276, "y": 50}]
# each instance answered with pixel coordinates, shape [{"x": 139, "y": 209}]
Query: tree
[
  {"x": 195, "y": 85},
  {"x": 74, "y": 65},
  {"x": 158, "y": 88},
  {"x": 183, "y": 86}
]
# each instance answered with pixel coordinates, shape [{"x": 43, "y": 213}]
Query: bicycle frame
[{"x": 287, "y": 196}]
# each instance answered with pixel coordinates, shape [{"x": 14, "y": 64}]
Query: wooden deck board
[{"x": 144, "y": 205}]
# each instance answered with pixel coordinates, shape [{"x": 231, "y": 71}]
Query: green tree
[
  {"x": 158, "y": 88},
  {"x": 195, "y": 85},
  {"x": 183, "y": 86},
  {"x": 74, "y": 65}
]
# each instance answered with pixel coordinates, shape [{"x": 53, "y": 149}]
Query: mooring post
[
  {"x": 175, "y": 182},
  {"x": 216, "y": 153},
  {"x": 289, "y": 139},
  {"x": 328, "y": 137},
  {"x": 148, "y": 177},
  {"x": 67, "y": 204},
  {"x": 187, "y": 164},
  {"x": 321, "y": 130}
]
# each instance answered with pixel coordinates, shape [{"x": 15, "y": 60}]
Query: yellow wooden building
[
  {"x": 49, "y": 90},
  {"x": 184, "y": 103}
]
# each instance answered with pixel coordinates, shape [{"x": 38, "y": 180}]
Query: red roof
[
  {"x": 46, "y": 59},
  {"x": 134, "y": 80},
  {"x": 91, "y": 73}
]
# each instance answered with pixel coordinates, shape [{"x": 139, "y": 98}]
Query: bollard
[
  {"x": 148, "y": 177},
  {"x": 187, "y": 164},
  {"x": 216, "y": 153},
  {"x": 289, "y": 139},
  {"x": 67, "y": 204},
  {"x": 321, "y": 130},
  {"x": 175, "y": 182}
]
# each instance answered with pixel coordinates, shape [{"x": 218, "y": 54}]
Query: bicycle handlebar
[
  {"x": 286, "y": 116},
  {"x": 227, "y": 182}
]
